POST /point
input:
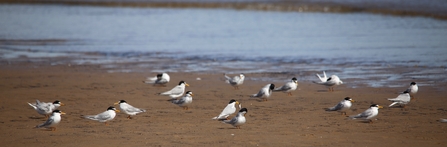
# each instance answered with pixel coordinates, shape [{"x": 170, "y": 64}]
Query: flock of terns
[{"x": 177, "y": 96}]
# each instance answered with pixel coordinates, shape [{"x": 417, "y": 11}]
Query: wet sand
[{"x": 297, "y": 120}]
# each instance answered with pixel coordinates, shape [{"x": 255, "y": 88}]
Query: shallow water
[{"x": 221, "y": 40}]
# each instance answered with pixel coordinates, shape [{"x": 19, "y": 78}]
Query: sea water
[{"x": 232, "y": 41}]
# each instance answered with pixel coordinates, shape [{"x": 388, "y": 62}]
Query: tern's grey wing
[
  {"x": 100, "y": 117},
  {"x": 404, "y": 97},
  {"x": 365, "y": 114},
  {"x": 320, "y": 83},
  {"x": 285, "y": 87},
  {"x": 408, "y": 90},
  {"x": 232, "y": 121},
  {"x": 174, "y": 91},
  {"x": 44, "y": 107},
  {"x": 236, "y": 79},
  {"x": 132, "y": 109},
  {"x": 337, "y": 107},
  {"x": 178, "y": 102},
  {"x": 103, "y": 116},
  {"x": 150, "y": 80},
  {"x": 233, "y": 80},
  {"x": 230, "y": 80},
  {"x": 260, "y": 93},
  {"x": 46, "y": 123},
  {"x": 228, "y": 110},
  {"x": 92, "y": 117},
  {"x": 161, "y": 81},
  {"x": 330, "y": 82}
]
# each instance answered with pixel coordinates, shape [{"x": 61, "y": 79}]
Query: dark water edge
[
  {"x": 428, "y": 8},
  {"x": 354, "y": 75}
]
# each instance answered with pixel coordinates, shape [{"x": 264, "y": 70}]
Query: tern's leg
[
  {"x": 106, "y": 123},
  {"x": 128, "y": 117},
  {"x": 403, "y": 107}
]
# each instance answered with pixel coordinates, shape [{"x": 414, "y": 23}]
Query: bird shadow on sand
[
  {"x": 322, "y": 91},
  {"x": 44, "y": 130},
  {"x": 366, "y": 121},
  {"x": 257, "y": 99},
  {"x": 227, "y": 128},
  {"x": 399, "y": 107},
  {"x": 35, "y": 117}
]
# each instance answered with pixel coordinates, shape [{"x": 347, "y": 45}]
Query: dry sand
[{"x": 297, "y": 120}]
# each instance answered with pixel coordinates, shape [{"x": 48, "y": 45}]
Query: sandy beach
[
  {"x": 90, "y": 54},
  {"x": 298, "y": 120}
]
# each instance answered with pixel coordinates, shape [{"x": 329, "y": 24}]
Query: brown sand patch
[{"x": 282, "y": 121}]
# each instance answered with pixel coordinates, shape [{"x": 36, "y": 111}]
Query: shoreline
[{"x": 380, "y": 74}]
